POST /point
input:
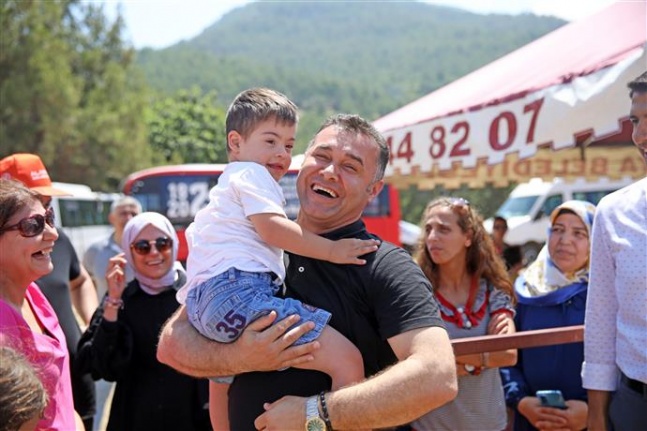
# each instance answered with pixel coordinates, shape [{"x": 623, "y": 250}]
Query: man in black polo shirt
[{"x": 385, "y": 308}]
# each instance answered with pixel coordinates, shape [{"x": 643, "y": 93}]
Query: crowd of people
[{"x": 278, "y": 324}]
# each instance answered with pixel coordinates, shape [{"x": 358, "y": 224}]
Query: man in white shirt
[{"x": 615, "y": 337}]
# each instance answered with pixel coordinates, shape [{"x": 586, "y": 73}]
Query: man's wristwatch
[{"x": 313, "y": 420}]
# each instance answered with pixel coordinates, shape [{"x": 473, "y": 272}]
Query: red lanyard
[{"x": 473, "y": 317}]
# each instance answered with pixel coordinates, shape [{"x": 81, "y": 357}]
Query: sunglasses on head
[
  {"x": 459, "y": 202},
  {"x": 32, "y": 226},
  {"x": 143, "y": 246}
]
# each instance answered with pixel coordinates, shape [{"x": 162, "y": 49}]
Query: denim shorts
[{"x": 221, "y": 308}]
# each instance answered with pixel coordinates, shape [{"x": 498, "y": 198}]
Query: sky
[{"x": 161, "y": 23}]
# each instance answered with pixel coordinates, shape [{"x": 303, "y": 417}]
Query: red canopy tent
[{"x": 566, "y": 90}]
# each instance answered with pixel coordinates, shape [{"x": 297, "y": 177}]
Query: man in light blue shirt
[{"x": 615, "y": 336}]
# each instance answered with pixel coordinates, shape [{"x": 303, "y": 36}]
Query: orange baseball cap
[{"x": 29, "y": 170}]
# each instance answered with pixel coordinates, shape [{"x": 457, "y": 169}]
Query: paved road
[{"x": 104, "y": 398}]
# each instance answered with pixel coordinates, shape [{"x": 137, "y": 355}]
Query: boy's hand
[{"x": 348, "y": 250}]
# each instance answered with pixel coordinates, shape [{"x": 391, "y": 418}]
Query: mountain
[{"x": 362, "y": 57}]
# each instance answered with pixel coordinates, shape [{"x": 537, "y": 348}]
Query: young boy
[{"x": 235, "y": 263}]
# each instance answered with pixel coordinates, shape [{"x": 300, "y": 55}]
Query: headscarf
[
  {"x": 542, "y": 276},
  {"x": 133, "y": 228}
]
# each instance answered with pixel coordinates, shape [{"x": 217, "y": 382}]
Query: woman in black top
[{"x": 120, "y": 344}]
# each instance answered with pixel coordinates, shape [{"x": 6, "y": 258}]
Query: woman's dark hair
[
  {"x": 482, "y": 260},
  {"x": 14, "y": 197}
]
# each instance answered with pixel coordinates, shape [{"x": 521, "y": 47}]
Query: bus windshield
[{"x": 180, "y": 197}]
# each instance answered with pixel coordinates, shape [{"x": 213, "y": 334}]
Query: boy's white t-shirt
[{"x": 222, "y": 236}]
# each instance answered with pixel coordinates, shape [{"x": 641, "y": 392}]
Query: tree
[
  {"x": 70, "y": 92},
  {"x": 188, "y": 128}
]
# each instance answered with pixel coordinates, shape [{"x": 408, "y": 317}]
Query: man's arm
[
  {"x": 598, "y": 416},
  {"x": 422, "y": 380},
  {"x": 261, "y": 347},
  {"x": 84, "y": 295}
]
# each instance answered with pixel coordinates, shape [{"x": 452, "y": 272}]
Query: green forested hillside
[{"x": 362, "y": 57}]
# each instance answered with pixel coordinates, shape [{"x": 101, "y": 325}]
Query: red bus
[{"x": 179, "y": 191}]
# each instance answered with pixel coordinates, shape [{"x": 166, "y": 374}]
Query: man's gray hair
[
  {"x": 123, "y": 201},
  {"x": 358, "y": 125}
]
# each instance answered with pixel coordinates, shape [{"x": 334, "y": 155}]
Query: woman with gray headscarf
[{"x": 120, "y": 344}]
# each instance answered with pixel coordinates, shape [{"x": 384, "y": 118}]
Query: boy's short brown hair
[{"x": 256, "y": 105}]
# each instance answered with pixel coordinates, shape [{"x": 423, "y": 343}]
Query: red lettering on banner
[
  {"x": 405, "y": 150},
  {"x": 437, "y": 147},
  {"x": 511, "y": 122},
  {"x": 533, "y": 107},
  {"x": 599, "y": 166},
  {"x": 457, "y": 151}
]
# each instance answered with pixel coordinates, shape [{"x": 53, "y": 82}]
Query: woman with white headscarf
[
  {"x": 551, "y": 293},
  {"x": 120, "y": 344}
]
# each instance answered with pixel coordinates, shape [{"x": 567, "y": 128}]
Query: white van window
[
  {"x": 80, "y": 212},
  {"x": 593, "y": 197},
  {"x": 517, "y": 206},
  {"x": 83, "y": 215},
  {"x": 552, "y": 202}
]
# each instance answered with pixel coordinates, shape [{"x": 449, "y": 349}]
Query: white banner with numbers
[
  {"x": 557, "y": 117},
  {"x": 567, "y": 89}
]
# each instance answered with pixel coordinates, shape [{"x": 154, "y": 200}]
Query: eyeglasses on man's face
[
  {"x": 33, "y": 225},
  {"x": 144, "y": 246}
]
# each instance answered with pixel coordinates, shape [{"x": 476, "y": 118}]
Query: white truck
[{"x": 529, "y": 205}]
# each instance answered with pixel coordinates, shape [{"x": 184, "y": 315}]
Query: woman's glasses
[
  {"x": 143, "y": 246},
  {"x": 32, "y": 226}
]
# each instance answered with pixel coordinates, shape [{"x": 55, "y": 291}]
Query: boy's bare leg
[
  {"x": 218, "y": 406},
  {"x": 337, "y": 357}
]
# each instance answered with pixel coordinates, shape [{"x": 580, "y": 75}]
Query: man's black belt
[{"x": 634, "y": 385}]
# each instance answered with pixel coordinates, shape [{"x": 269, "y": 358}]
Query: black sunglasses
[
  {"x": 32, "y": 226},
  {"x": 143, "y": 246}
]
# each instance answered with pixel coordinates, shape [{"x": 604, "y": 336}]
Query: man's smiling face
[{"x": 336, "y": 181}]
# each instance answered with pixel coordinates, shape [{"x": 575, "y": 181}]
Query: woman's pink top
[{"x": 46, "y": 352}]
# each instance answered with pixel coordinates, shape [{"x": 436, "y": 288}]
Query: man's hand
[
  {"x": 288, "y": 413},
  {"x": 266, "y": 347},
  {"x": 261, "y": 347}
]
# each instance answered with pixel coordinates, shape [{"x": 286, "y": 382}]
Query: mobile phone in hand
[{"x": 552, "y": 398}]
